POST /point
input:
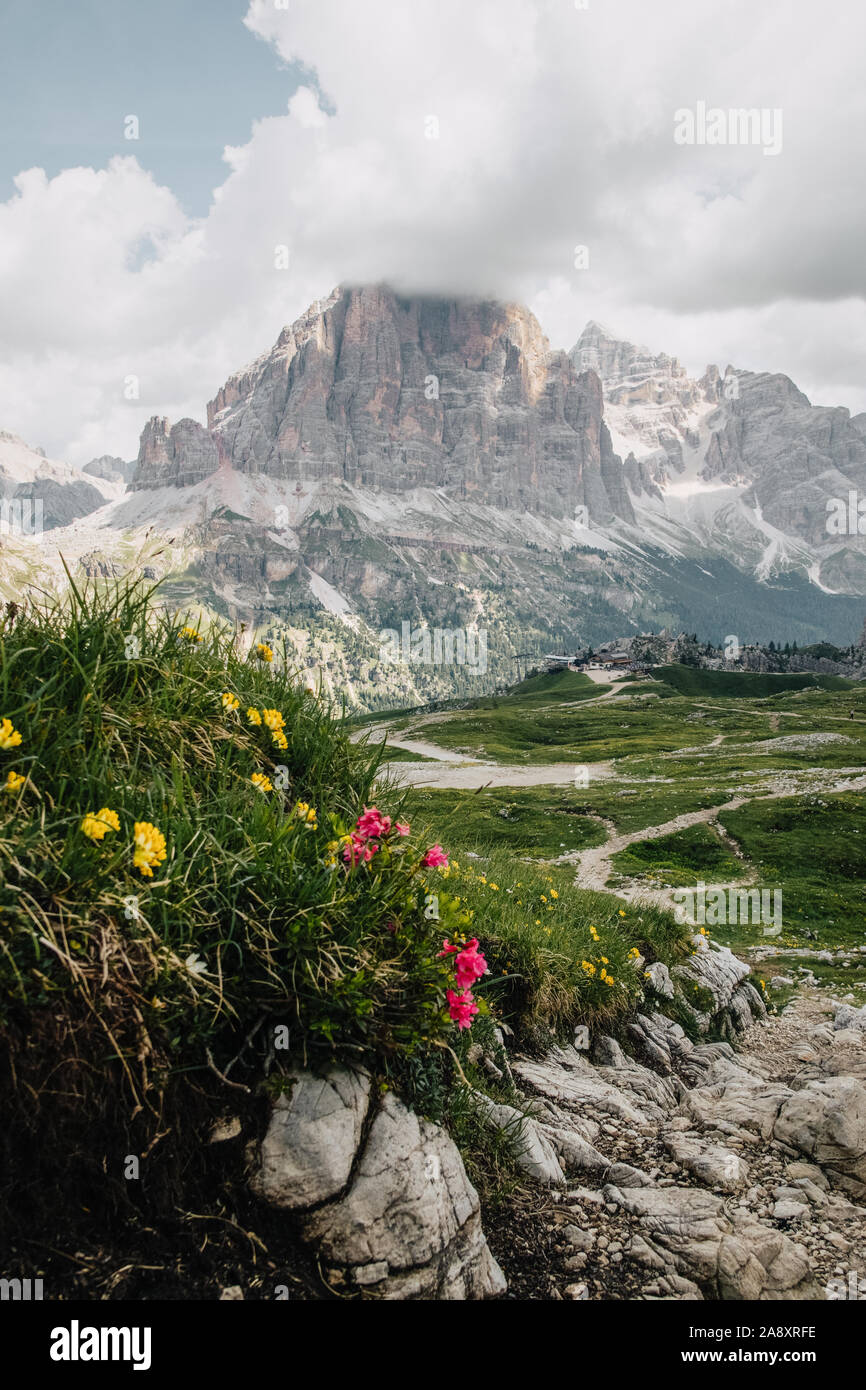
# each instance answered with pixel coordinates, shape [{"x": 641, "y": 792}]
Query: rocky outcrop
[
  {"x": 677, "y": 1161},
  {"x": 315, "y": 1130},
  {"x": 675, "y": 1169},
  {"x": 383, "y": 1197}
]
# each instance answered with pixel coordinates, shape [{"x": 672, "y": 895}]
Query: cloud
[{"x": 464, "y": 149}]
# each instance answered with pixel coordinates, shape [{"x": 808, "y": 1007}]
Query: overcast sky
[{"x": 310, "y": 127}]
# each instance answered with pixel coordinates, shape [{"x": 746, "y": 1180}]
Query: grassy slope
[
  {"x": 134, "y": 1009},
  {"x": 693, "y": 680}
]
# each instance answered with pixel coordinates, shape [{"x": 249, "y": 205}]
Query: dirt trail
[
  {"x": 594, "y": 865},
  {"x": 458, "y": 773}
]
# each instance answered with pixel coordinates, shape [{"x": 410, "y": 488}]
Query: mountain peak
[{"x": 595, "y": 330}]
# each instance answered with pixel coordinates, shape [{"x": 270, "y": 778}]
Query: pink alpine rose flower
[
  {"x": 435, "y": 858},
  {"x": 400, "y": 828},
  {"x": 470, "y": 965},
  {"x": 357, "y": 850},
  {"x": 461, "y": 1008},
  {"x": 372, "y": 823}
]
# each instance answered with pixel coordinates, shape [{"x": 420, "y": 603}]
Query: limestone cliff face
[
  {"x": 175, "y": 456},
  {"x": 797, "y": 455},
  {"x": 391, "y": 393}
]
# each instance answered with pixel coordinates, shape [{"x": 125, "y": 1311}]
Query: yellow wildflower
[
  {"x": 273, "y": 719},
  {"x": 190, "y": 634},
  {"x": 14, "y": 782},
  {"x": 149, "y": 847},
  {"x": 543, "y": 898},
  {"x": 9, "y": 737},
  {"x": 553, "y": 893},
  {"x": 230, "y": 702},
  {"x": 279, "y": 739},
  {"x": 253, "y": 716},
  {"x": 263, "y": 652},
  {"x": 263, "y": 783},
  {"x": 96, "y": 825},
  {"x": 306, "y": 813}
]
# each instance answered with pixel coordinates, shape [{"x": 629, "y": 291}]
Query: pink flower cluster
[
  {"x": 469, "y": 966},
  {"x": 369, "y": 828},
  {"x": 461, "y": 1007},
  {"x": 435, "y": 858}
]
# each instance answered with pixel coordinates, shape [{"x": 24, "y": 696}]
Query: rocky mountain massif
[
  {"x": 429, "y": 461},
  {"x": 742, "y": 459}
]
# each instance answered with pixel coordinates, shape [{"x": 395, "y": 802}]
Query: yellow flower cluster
[
  {"x": 263, "y": 652},
  {"x": 96, "y": 824},
  {"x": 306, "y": 813},
  {"x": 149, "y": 847},
  {"x": 14, "y": 781},
  {"x": 587, "y": 967},
  {"x": 263, "y": 783},
  {"x": 9, "y": 737},
  {"x": 276, "y": 723},
  {"x": 190, "y": 634},
  {"x": 230, "y": 702},
  {"x": 634, "y": 953},
  {"x": 148, "y": 841},
  {"x": 273, "y": 720}
]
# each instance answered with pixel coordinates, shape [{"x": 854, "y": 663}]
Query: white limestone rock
[
  {"x": 312, "y": 1138},
  {"x": 411, "y": 1206},
  {"x": 826, "y": 1120}
]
